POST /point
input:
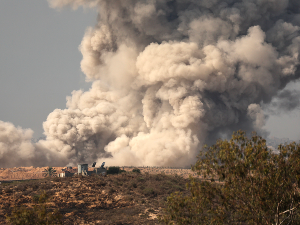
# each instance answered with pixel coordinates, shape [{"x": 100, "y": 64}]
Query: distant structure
[
  {"x": 66, "y": 174},
  {"x": 83, "y": 170},
  {"x": 100, "y": 170}
]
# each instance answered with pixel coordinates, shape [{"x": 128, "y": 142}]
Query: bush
[
  {"x": 244, "y": 183},
  {"x": 101, "y": 183},
  {"x": 111, "y": 190},
  {"x": 27, "y": 192},
  {"x": 38, "y": 215},
  {"x": 34, "y": 186},
  {"x": 57, "y": 179},
  {"x": 136, "y": 170},
  {"x": 46, "y": 186},
  {"x": 35, "y": 198},
  {"x": 8, "y": 190},
  {"x": 41, "y": 198},
  {"x": 114, "y": 170},
  {"x": 159, "y": 177},
  {"x": 149, "y": 192},
  {"x": 21, "y": 187},
  {"x": 141, "y": 179},
  {"x": 133, "y": 184}
]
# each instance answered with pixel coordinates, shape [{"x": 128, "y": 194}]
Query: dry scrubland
[
  {"x": 24, "y": 173},
  {"x": 127, "y": 198}
]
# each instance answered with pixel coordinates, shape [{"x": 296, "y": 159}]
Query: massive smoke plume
[{"x": 168, "y": 76}]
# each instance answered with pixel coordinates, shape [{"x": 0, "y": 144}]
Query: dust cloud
[{"x": 168, "y": 77}]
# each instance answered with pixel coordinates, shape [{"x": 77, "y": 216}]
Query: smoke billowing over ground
[{"x": 168, "y": 77}]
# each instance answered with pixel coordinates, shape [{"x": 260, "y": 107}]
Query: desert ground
[
  {"x": 26, "y": 173},
  {"x": 126, "y": 198}
]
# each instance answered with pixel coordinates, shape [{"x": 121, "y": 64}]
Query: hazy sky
[
  {"x": 39, "y": 59},
  {"x": 40, "y": 65}
]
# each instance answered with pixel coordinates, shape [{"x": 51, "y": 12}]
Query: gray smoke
[
  {"x": 171, "y": 75},
  {"x": 285, "y": 100}
]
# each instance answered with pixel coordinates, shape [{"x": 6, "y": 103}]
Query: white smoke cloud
[
  {"x": 16, "y": 149},
  {"x": 257, "y": 115},
  {"x": 170, "y": 76},
  {"x": 15, "y": 141}
]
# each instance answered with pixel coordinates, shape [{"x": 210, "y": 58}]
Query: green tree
[
  {"x": 242, "y": 182},
  {"x": 49, "y": 172}
]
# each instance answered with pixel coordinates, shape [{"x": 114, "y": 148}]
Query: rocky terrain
[{"x": 126, "y": 198}]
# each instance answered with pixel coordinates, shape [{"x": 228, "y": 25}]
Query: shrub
[
  {"x": 21, "y": 187},
  {"x": 38, "y": 215},
  {"x": 56, "y": 179},
  {"x": 136, "y": 170},
  {"x": 8, "y": 190},
  {"x": 111, "y": 190},
  {"x": 149, "y": 192},
  {"x": 114, "y": 170},
  {"x": 244, "y": 183},
  {"x": 133, "y": 184},
  {"x": 41, "y": 198},
  {"x": 34, "y": 186},
  {"x": 159, "y": 177},
  {"x": 27, "y": 192},
  {"x": 118, "y": 183},
  {"x": 128, "y": 198},
  {"x": 35, "y": 198},
  {"x": 101, "y": 183},
  {"x": 141, "y": 179},
  {"x": 45, "y": 186}
]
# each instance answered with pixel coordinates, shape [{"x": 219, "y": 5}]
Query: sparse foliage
[
  {"x": 136, "y": 170},
  {"x": 49, "y": 172},
  {"x": 38, "y": 215},
  {"x": 244, "y": 182},
  {"x": 86, "y": 199},
  {"x": 114, "y": 170}
]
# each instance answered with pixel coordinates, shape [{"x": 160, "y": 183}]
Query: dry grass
[{"x": 127, "y": 198}]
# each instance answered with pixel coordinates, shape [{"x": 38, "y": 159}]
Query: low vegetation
[
  {"x": 39, "y": 214},
  {"x": 126, "y": 198},
  {"x": 136, "y": 170},
  {"x": 115, "y": 170}
]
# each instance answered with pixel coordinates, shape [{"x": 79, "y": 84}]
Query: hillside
[
  {"x": 127, "y": 198},
  {"x": 24, "y": 173}
]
